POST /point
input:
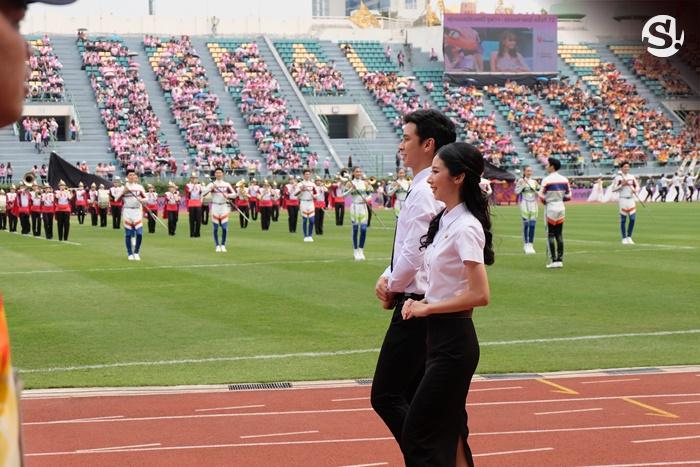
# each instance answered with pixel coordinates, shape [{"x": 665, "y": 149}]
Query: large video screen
[{"x": 503, "y": 44}]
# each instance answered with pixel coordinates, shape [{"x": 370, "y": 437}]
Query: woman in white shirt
[{"x": 458, "y": 246}]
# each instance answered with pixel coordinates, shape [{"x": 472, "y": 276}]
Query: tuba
[
  {"x": 28, "y": 179},
  {"x": 372, "y": 180}
]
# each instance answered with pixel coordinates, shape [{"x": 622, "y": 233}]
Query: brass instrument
[
  {"x": 372, "y": 181},
  {"x": 343, "y": 174},
  {"x": 28, "y": 179},
  {"x": 327, "y": 183}
]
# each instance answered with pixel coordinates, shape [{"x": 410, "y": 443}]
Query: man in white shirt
[
  {"x": 554, "y": 192},
  {"x": 401, "y": 362}
]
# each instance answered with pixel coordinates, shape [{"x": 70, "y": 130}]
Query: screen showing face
[{"x": 484, "y": 43}]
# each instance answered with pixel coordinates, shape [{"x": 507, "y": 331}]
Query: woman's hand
[{"x": 414, "y": 309}]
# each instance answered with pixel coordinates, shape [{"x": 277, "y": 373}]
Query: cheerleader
[
  {"x": 360, "y": 191},
  {"x": 527, "y": 188},
  {"x": 307, "y": 192},
  {"x": 399, "y": 189},
  {"x": 221, "y": 192},
  {"x": 457, "y": 246},
  {"x": 63, "y": 198}
]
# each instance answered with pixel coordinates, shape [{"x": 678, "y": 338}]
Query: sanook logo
[{"x": 659, "y": 36}]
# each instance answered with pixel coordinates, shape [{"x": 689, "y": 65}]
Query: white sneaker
[
  {"x": 130, "y": 257},
  {"x": 222, "y": 248},
  {"x": 558, "y": 264},
  {"x": 306, "y": 239},
  {"x": 311, "y": 239},
  {"x": 361, "y": 254},
  {"x": 625, "y": 241},
  {"x": 532, "y": 249},
  {"x": 218, "y": 248},
  {"x": 551, "y": 265},
  {"x": 137, "y": 257},
  {"x": 526, "y": 248},
  {"x": 630, "y": 241},
  {"x": 356, "y": 254}
]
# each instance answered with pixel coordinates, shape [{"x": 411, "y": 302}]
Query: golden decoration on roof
[{"x": 364, "y": 18}]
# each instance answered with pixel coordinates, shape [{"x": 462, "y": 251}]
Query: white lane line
[
  {"x": 486, "y": 454},
  {"x": 588, "y": 428},
  {"x": 365, "y": 465},
  {"x": 189, "y": 266},
  {"x": 496, "y": 389},
  {"x": 683, "y": 403},
  {"x": 351, "y": 399},
  {"x": 41, "y": 238},
  {"x": 112, "y": 448},
  {"x": 578, "y": 399},
  {"x": 230, "y": 408},
  {"x": 610, "y": 381},
  {"x": 214, "y": 446},
  {"x": 645, "y": 464},
  {"x": 600, "y": 242},
  {"x": 340, "y": 352},
  {"x": 90, "y": 419},
  {"x": 280, "y": 434},
  {"x": 569, "y": 411},
  {"x": 678, "y": 438}
]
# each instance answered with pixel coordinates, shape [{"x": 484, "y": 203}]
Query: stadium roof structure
[{"x": 568, "y": 11}]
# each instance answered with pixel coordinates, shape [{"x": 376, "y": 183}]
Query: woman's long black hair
[{"x": 463, "y": 158}]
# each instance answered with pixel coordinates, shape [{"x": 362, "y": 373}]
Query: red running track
[{"x": 616, "y": 418}]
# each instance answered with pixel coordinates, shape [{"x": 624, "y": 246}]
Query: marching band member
[
  {"x": 48, "y": 206},
  {"x": 253, "y": 191},
  {"x": 370, "y": 201},
  {"x": 3, "y": 210},
  {"x": 36, "y": 210},
  {"x": 627, "y": 186},
  {"x": 399, "y": 189},
  {"x": 92, "y": 204},
  {"x": 276, "y": 200},
  {"x": 359, "y": 215},
  {"x": 116, "y": 203},
  {"x": 206, "y": 205},
  {"x": 307, "y": 189},
  {"x": 221, "y": 192},
  {"x": 152, "y": 204},
  {"x": 242, "y": 204},
  {"x": 63, "y": 197},
  {"x": 265, "y": 203},
  {"x": 292, "y": 203},
  {"x": 527, "y": 188},
  {"x": 320, "y": 205},
  {"x": 172, "y": 207},
  {"x": 337, "y": 190},
  {"x": 80, "y": 202},
  {"x": 132, "y": 196},
  {"x": 554, "y": 192},
  {"x": 193, "y": 194},
  {"x": 103, "y": 203},
  {"x": 23, "y": 207},
  {"x": 11, "y": 209}
]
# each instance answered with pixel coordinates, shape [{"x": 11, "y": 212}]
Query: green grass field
[{"x": 273, "y": 295}]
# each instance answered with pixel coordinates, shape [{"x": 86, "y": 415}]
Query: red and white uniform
[
  {"x": 48, "y": 203},
  {"x": 92, "y": 199},
  {"x": 221, "y": 191},
  {"x": 292, "y": 198},
  {"x": 307, "y": 190},
  {"x": 115, "y": 194},
  {"x": 242, "y": 198},
  {"x": 152, "y": 201},
  {"x": 80, "y": 197},
  {"x": 24, "y": 202},
  {"x": 11, "y": 202},
  {"x": 265, "y": 198},
  {"x": 36, "y": 202},
  {"x": 320, "y": 197},
  {"x": 63, "y": 198},
  {"x": 172, "y": 201},
  {"x": 193, "y": 193}
]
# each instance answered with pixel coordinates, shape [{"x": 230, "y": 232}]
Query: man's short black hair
[
  {"x": 130, "y": 171},
  {"x": 556, "y": 163},
  {"x": 307, "y": 171},
  {"x": 434, "y": 124},
  {"x": 218, "y": 169},
  {"x": 624, "y": 163}
]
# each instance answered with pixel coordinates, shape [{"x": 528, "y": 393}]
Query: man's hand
[{"x": 383, "y": 293}]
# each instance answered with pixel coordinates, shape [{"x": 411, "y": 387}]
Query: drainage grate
[
  {"x": 631, "y": 371},
  {"x": 364, "y": 382},
  {"x": 246, "y": 386}
]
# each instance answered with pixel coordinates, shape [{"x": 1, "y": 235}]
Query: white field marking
[
  {"x": 513, "y": 452},
  {"x": 568, "y": 411},
  {"x": 365, "y": 465},
  {"x": 111, "y": 417},
  {"x": 600, "y": 242},
  {"x": 339, "y": 352},
  {"x": 230, "y": 408},
  {"x": 588, "y": 252},
  {"x": 280, "y": 434},
  {"x": 610, "y": 381},
  {"x": 697, "y": 462},
  {"x": 665, "y": 439},
  {"x": 683, "y": 403},
  {"x": 322, "y": 411},
  {"x": 111, "y": 448},
  {"x": 214, "y": 446},
  {"x": 351, "y": 399},
  {"x": 588, "y": 428},
  {"x": 190, "y": 266},
  {"x": 496, "y": 389},
  {"x": 40, "y": 238}
]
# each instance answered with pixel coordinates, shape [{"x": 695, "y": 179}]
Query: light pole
[{"x": 151, "y": 9}]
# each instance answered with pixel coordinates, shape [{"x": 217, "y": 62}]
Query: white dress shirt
[
  {"x": 460, "y": 238},
  {"x": 408, "y": 274}
]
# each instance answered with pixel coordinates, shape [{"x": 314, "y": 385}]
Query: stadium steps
[
  {"x": 294, "y": 105},
  {"x": 157, "y": 100},
  {"x": 227, "y": 105},
  {"x": 688, "y": 75},
  {"x": 571, "y": 135},
  {"x": 93, "y": 146}
]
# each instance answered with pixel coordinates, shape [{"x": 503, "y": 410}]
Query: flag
[{"x": 10, "y": 451}]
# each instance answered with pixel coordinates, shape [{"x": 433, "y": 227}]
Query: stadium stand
[
  {"x": 45, "y": 82},
  {"x": 312, "y": 71},
  {"x": 658, "y": 75}
]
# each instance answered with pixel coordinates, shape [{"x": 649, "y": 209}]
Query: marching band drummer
[
  {"x": 103, "y": 203},
  {"x": 132, "y": 196},
  {"x": 48, "y": 207},
  {"x": 36, "y": 210},
  {"x": 152, "y": 204},
  {"x": 399, "y": 189},
  {"x": 627, "y": 185},
  {"x": 221, "y": 192},
  {"x": 307, "y": 191},
  {"x": 242, "y": 204},
  {"x": 265, "y": 204},
  {"x": 320, "y": 205},
  {"x": 63, "y": 197},
  {"x": 360, "y": 191},
  {"x": 527, "y": 188},
  {"x": 172, "y": 207}
]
